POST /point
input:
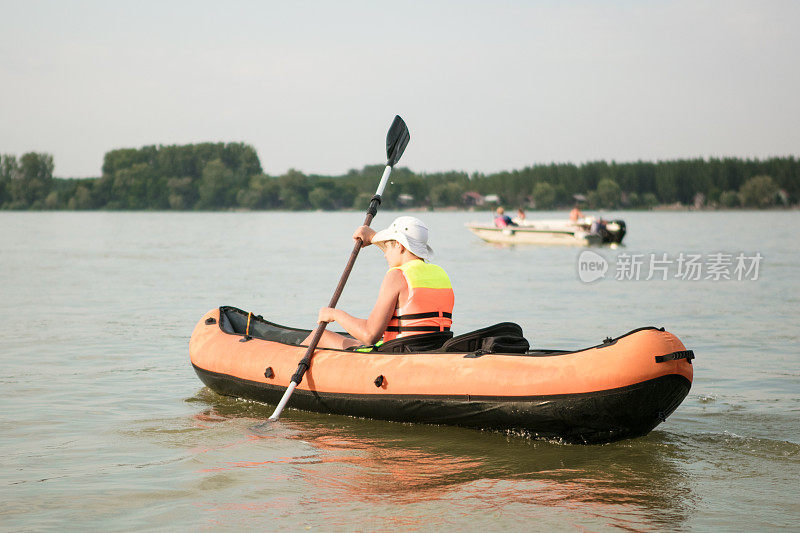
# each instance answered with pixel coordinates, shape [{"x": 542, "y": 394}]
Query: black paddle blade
[{"x": 396, "y": 141}]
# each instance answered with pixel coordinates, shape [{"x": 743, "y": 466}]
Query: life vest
[{"x": 430, "y": 301}]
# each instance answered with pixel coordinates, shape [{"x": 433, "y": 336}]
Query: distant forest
[{"x": 219, "y": 176}]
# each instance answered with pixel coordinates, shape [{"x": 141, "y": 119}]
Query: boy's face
[{"x": 392, "y": 251}]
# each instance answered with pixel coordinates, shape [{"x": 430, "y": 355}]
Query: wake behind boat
[{"x": 587, "y": 231}]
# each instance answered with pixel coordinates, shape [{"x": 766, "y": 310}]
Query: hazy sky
[{"x": 483, "y": 86}]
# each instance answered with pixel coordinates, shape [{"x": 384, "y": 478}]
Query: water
[{"x": 103, "y": 424}]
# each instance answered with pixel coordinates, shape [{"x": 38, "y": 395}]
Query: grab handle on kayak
[{"x": 675, "y": 356}]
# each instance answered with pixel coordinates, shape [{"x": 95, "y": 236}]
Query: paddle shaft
[{"x": 305, "y": 362}]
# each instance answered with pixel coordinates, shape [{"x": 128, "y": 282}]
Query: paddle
[{"x": 396, "y": 141}]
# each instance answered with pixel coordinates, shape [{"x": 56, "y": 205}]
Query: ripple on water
[{"x": 95, "y": 430}]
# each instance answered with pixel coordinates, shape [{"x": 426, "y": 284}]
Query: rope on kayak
[{"x": 247, "y": 336}]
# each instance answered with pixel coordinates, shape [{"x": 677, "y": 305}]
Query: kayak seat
[
  {"x": 504, "y": 337},
  {"x": 424, "y": 342}
]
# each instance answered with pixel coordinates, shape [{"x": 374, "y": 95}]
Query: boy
[{"x": 415, "y": 296}]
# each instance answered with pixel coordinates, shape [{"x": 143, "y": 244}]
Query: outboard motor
[{"x": 614, "y": 231}]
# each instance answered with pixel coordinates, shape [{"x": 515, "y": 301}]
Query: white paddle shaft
[
  {"x": 292, "y": 385},
  {"x": 283, "y": 401},
  {"x": 384, "y": 179}
]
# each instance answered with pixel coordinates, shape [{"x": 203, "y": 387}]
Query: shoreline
[{"x": 659, "y": 208}]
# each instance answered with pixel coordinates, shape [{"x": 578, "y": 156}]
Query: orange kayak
[{"x": 621, "y": 388}]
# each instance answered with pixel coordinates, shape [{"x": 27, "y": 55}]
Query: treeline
[{"x": 215, "y": 176}]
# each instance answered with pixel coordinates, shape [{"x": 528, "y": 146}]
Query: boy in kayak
[{"x": 415, "y": 297}]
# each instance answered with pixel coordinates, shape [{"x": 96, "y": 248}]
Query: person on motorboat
[
  {"x": 598, "y": 226},
  {"x": 575, "y": 214},
  {"x": 501, "y": 220},
  {"x": 415, "y": 297}
]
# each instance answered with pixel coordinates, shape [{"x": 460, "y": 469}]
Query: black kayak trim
[
  {"x": 590, "y": 417},
  {"x": 233, "y": 322}
]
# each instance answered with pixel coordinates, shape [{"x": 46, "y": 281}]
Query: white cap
[{"x": 410, "y": 232}]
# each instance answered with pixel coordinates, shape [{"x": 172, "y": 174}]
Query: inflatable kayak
[{"x": 487, "y": 379}]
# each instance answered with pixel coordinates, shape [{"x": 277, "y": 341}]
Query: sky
[{"x": 483, "y": 86}]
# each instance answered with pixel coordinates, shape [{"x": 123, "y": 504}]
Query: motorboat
[{"x": 586, "y": 231}]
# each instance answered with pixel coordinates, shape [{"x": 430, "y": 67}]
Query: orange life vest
[{"x": 430, "y": 302}]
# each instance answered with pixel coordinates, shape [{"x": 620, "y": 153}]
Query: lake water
[{"x": 104, "y": 425}]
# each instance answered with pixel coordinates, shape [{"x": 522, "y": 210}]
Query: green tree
[
  {"x": 362, "y": 200},
  {"x": 632, "y": 200},
  {"x": 215, "y": 188},
  {"x": 413, "y": 185},
  {"x": 649, "y": 200},
  {"x": 181, "y": 193},
  {"x": 320, "y": 197},
  {"x": 52, "y": 200},
  {"x": 242, "y": 158},
  {"x": 445, "y": 194},
  {"x": 666, "y": 183},
  {"x": 8, "y": 171},
  {"x": 729, "y": 199},
  {"x": 608, "y": 193},
  {"x": 544, "y": 195},
  {"x": 262, "y": 193},
  {"x": 31, "y": 182},
  {"x": 758, "y": 191},
  {"x": 175, "y": 175},
  {"x": 129, "y": 187},
  {"x": 156, "y": 177},
  {"x": 294, "y": 187},
  {"x": 82, "y": 199}
]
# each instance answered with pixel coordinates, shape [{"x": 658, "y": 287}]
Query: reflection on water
[
  {"x": 638, "y": 483},
  {"x": 95, "y": 430}
]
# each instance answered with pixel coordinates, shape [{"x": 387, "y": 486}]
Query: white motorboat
[{"x": 585, "y": 232}]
